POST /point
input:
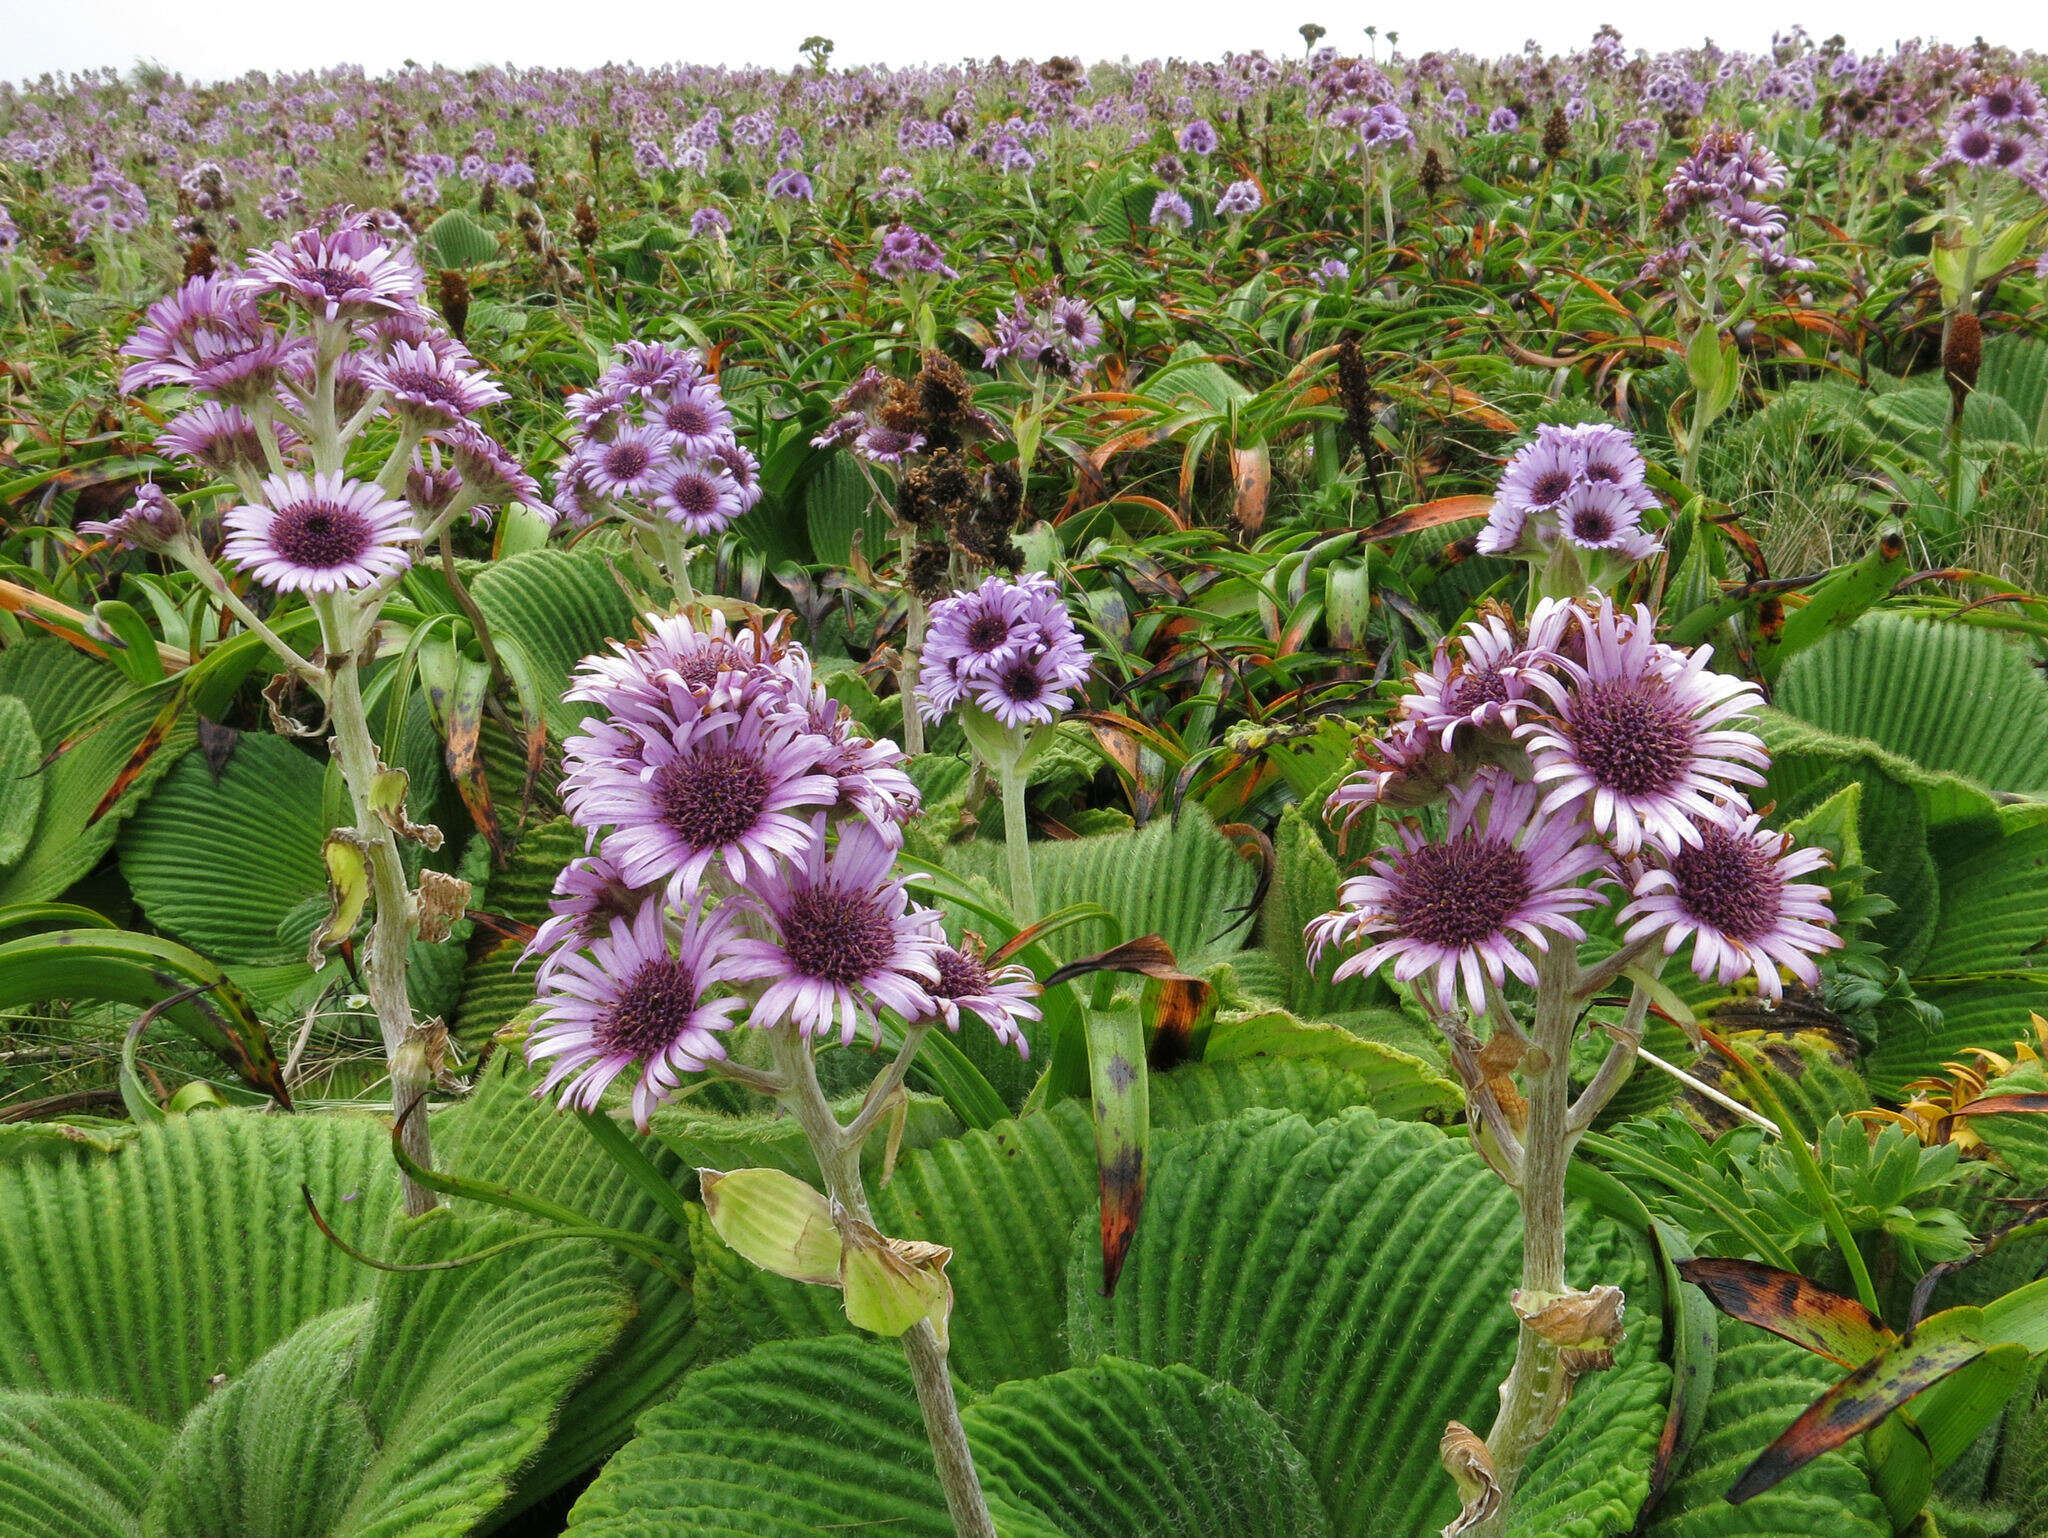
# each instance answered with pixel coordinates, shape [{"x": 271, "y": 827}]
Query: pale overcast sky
[{"x": 211, "y": 39}]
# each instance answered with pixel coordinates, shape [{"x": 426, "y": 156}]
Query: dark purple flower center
[
  {"x": 687, "y": 416},
  {"x": 1730, "y": 883},
  {"x": 1473, "y": 688},
  {"x": 1022, "y": 683},
  {"x": 2008, "y": 153},
  {"x": 627, "y": 460},
  {"x": 1632, "y": 737},
  {"x": 335, "y": 282},
  {"x": 1550, "y": 486},
  {"x": 705, "y": 664},
  {"x": 428, "y": 386},
  {"x": 1975, "y": 144},
  {"x": 694, "y": 494},
  {"x": 1591, "y": 525},
  {"x": 2000, "y": 104},
  {"x": 711, "y": 796},
  {"x": 1603, "y": 470},
  {"x": 1459, "y": 892},
  {"x": 836, "y": 935},
  {"x": 320, "y": 535},
  {"x": 986, "y": 631},
  {"x": 651, "y": 1010},
  {"x": 960, "y": 976}
]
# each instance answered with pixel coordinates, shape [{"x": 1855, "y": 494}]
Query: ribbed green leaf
[
  {"x": 1760, "y": 1386},
  {"x": 548, "y": 610},
  {"x": 142, "y": 1275},
  {"x": 705, "y": 1139},
  {"x": 461, "y": 1373},
  {"x": 494, "y": 986},
  {"x": 1985, "y": 1014},
  {"x": 1305, "y": 881},
  {"x": 503, "y": 1136},
  {"x": 739, "y": 1306},
  {"x": 75, "y": 1468},
  {"x": 1120, "y": 1448},
  {"x": 61, "y": 687},
  {"x": 220, "y": 863},
  {"x": 2015, "y": 369},
  {"x": 277, "y": 1452},
  {"x": 1994, "y": 911},
  {"x": 793, "y": 1439},
  {"x": 1180, "y": 880},
  {"x": 1394, "y": 1083},
  {"x": 458, "y": 240},
  {"x": 21, "y": 788},
  {"x": 1945, "y": 696},
  {"x": 837, "y": 506},
  {"x": 1353, "y": 1278}
]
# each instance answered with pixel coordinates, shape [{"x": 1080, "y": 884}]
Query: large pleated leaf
[
  {"x": 219, "y": 862},
  {"x": 838, "y": 507},
  {"x": 2015, "y": 369},
  {"x": 462, "y": 1372},
  {"x": 1394, "y": 1083},
  {"x": 1176, "y": 878},
  {"x": 1761, "y": 1384},
  {"x": 793, "y": 1439},
  {"x": 503, "y": 1136},
  {"x": 21, "y": 788},
  {"x": 1305, "y": 882},
  {"x": 75, "y": 1468},
  {"x": 1353, "y": 1278},
  {"x": 1979, "y": 1014},
  {"x": 1118, "y": 1449},
  {"x": 549, "y": 609},
  {"x": 277, "y": 1452},
  {"x": 142, "y": 1275},
  {"x": 61, "y": 687},
  {"x": 1994, "y": 910},
  {"x": 1945, "y": 696}
]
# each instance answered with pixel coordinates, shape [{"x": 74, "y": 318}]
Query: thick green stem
[
  {"x": 391, "y": 925},
  {"x": 912, "y": 655},
  {"x": 1017, "y": 840},
  {"x": 838, "y": 1153}
]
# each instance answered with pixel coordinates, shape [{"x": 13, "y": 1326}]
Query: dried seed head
[{"x": 1962, "y": 354}]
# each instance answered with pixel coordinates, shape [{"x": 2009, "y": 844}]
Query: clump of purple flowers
[
  {"x": 741, "y": 873},
  {"x": 1008, "y": 649},
  {"x": 2002, "y": 128},
  {"x": 1240, "y": 200},
  {"x": 653, "y": 441},
  {"x": 1571, "y": 503},
  {"x": 1055, "y": 335},
  {"x": 1578, "y": 754},
  {"x": 1724, "y": 182}
]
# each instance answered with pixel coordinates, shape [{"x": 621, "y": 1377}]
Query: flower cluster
[
  {"x": 318, "y": 340},
  {"x": 1724, "y": 180},
  {"x": 653, "y": 440},
  {"x": 1007, "y": 649},
  {"x": 908, "y": 253},
  {"x": 2004, "y": 128},
  {"x": 1573, "y": 496},
  {"x": 1579, "y": 757},
  {"x": 1055, "y": 335},
  {"x": 741, "y": 872}
]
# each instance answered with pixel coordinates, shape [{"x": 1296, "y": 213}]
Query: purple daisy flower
[
  {"x": 488, "y": 470},
  {"x": 744, "y": 469},
  {"x": 1171, "y": 211},
  {"x": 880, "y": 444},
  {"x": 1467, "y": 907},
  {"x": 653, "y": 368},
  {"x": 428, "y": 389},
  {"x": 631, "y": 465},
  {"x": 1198, "y": 138},
  {"x": 696, "y": 419},
  {"x": 1607, "y": 453},
  {"x": 1486, "y": 683},
  {"x": 319, "y": 534},
  {"x": 972, "y": 636},
  {"x": 1025, "y": 691},
  {"x": 699, "y": 496},
  {"x": 709, "y": 221},
  {"x": 1000, "y": 997},
  {"x": 150, "y": 524},
  {"x": 846, "y": 939},
  {"x": 1599, "y": 515},
  {"x": 221, "y": 438},
  {"x": 638, "y": 995},
  {"x": 705, "y": 785},
  {"x": 1239, "y": 200},
  {"x": 1732, "y": 894},
  {"x": 202, "y": 322},
  {"x": 1638, "y": 734},
  {"x": 348, "y": 275}
]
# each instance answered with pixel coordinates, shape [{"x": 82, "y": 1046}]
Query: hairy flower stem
[
  {"x": 837, "y": 1150},
  {"x": 391, "y": 925},
  {"x": 1538, "y": 1386},
  {"x": 912, "y": 655}
]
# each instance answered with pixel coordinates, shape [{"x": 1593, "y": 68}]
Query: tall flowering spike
[
  {"x": 1008, "y": 647},
  {"x": 1468, "y": 907},
  {"x": 845, "y": 938},
  {"x": 1734, "y": 896},
  {"x": 319, "y": 534},
  {"x": 1638, "y": 733},
  {"x": 641, "y": 994}
]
